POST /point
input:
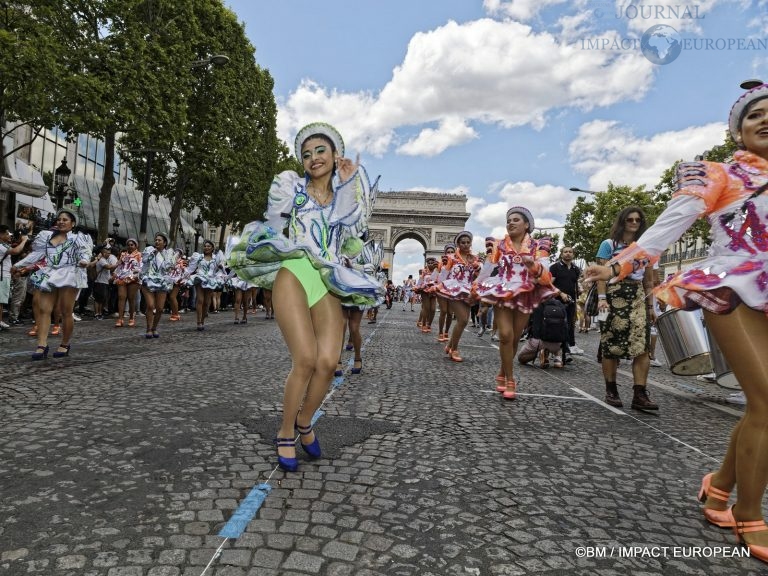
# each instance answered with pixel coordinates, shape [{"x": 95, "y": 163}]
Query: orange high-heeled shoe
[
  {"x": 755, "y": 551},
  {"x": 510, "y": 390},
  {"x": 501, "y": 383},
  {"x": 119, "y": 323},
  {"x": 455, "y": 356},
  {"x": 448, "y": 350},
  {"x": 442, "y": 337},
  {"x": 56, "y": 330},
  {"x": 721, "y": 518},
  {"x": 131, "y": 322}
]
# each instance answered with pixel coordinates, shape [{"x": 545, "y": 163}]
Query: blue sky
[{"x": 503, "y": 100}]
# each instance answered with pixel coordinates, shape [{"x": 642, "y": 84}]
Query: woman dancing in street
[
  {"x": 326, "y": 212},
  {"x": 126, "y": 276},
  {"x": 157, "y": 263},
  {"x": 66, "y": 254},
  {"x": 206, "y": 273},
  {"x": 444, "y": 319},
  {"x": 523, "y": 281},
  {"x": 730, "y": 286},
  {"x": 456, "y": 287}
]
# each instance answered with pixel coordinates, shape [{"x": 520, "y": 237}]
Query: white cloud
[
  {"x": 639, "y": 15},
  {"x": 451, "y": 132},
  {"x": 479, "y": 72},
  {"x": 518, "y": 9},
  {"x": 608, "y": 152}
]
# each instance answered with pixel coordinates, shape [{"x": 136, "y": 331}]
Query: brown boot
[
  {"x": 641, "y": 400},
  {"x": 612, "y": 395}
]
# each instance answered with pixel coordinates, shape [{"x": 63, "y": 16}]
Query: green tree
[
  {"x": 224, "y": 157},
  {"x": 589, "y": 222},
  {"x": 29, "y": 73}
]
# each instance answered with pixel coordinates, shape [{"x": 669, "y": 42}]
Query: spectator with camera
[
  {"x": 104, "y": 263},
  {"x": 8, "y": 249}
]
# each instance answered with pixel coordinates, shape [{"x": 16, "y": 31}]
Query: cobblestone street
[{"x": 129, "y": 457}]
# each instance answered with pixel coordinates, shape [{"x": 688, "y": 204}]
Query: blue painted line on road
[{"x": 245, "y": 512}]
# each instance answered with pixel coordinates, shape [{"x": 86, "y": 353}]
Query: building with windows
[{"x": 26, "y": 199}]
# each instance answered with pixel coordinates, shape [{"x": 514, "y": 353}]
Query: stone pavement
[{"x": 129, "y": 457}]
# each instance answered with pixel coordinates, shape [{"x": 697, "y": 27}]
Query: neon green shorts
[{"x": 308, "y": 277}]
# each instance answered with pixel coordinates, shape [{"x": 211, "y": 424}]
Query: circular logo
[{"x": 661, "y": 44}]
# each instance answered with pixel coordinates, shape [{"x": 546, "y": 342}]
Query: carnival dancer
[
  {"x": 428, "y": 297},
  {"x": 177, "y": 276},
  {"x": 408, "y": 285},
  {"x": 206, "y": 274},
  {"x": 157, "y": 264},
  {"x": 66, "y": 255},
  {"x": 417, "y": 287},
  {"x": 445, "y": 319},
  {"x": 326, "y": 212},
  {"x": 460, "y": 271},
  {"x": 126, "y": 277},
  {"x": 521, "y": 283},
  {"x": 730, "y": 286}
]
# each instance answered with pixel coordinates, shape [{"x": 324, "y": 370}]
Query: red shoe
[
  {"x": 510, "y": 391},
  {"x": 755, "y": 551},
  {"x": 721, "y": 518}
]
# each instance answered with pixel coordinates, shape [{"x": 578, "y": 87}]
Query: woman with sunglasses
[
  {"x": 62, "y": 255},
  {"x": 626, "y": 332},
  {"x": 731, "y": 286},
  {"x": 126, "y": 277},
  {"x": 326, "y": 214}
]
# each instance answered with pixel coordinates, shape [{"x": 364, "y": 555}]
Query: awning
[
  {"x": 21, "y": 178},
  {"x": 125, "y": 207}
]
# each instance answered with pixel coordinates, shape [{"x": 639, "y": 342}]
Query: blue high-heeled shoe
[
  {"x": 57, "y": 354},
  {"x": 287, "y": 464},
  {"x": 357, "y": 370},
  {"x": 313, "y": 450},
  {"x": 40, "y": 353}
]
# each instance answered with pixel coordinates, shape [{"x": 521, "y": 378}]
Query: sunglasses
[{"x": 636, "y": 220}]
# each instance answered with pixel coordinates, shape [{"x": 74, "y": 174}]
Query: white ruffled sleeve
[
  {"x": 280, "y": 199},
  {"x": 83, "y": 248},
  {"x": 38, "y": 250}
]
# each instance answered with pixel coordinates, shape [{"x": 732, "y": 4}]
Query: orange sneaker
[{"x": 55, "y": 331}]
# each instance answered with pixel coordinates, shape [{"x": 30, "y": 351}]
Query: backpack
[{"x": 552, "y": 321}]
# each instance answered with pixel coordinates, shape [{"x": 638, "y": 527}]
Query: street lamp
[
  {"x": 62, "y": 183},
  {"x": 575, "y": 189},
  {"x": 116, "y": 228},
  {"x": 751, "y": 83},
  {"x": 198, "y": 230},
  {"x": 216, "y": 60}
]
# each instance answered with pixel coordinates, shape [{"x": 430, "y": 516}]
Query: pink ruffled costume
[{"x": 736, "y": 269}]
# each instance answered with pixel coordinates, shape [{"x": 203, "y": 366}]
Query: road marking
[{"x": 598, "y": 401}]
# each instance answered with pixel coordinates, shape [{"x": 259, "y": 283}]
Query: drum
[
  {"x": 684, "y": 340},
  {"x": 723, "y": 373}
]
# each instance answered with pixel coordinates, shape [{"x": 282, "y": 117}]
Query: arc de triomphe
[{"x": 430, "y": 218}]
